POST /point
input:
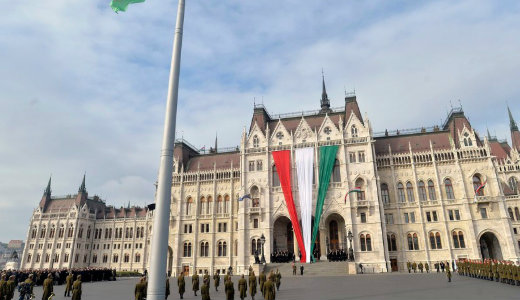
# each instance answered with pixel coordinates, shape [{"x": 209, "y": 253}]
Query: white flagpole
[{"x": 159, "y": 249}]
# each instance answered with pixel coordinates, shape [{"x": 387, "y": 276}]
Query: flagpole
[{"x": 159, "y": 249}]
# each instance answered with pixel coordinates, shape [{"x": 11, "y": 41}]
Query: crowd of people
[
  {"x": 425, "y": 267},
  {"x": 337, "y": 255},
  {"x": 499, "y": 271},
  {"x": 268, "y": 285},
  {"x": 282, "y": 257}
]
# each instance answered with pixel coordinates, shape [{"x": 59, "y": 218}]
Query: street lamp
[
  {"x": 350, "y": 250},
  {"x": 262, "y": 240}
]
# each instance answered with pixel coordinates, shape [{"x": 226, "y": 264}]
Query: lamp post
[
  {"x": 262, "y": 240},
  {"x": 350, "y": 250}
]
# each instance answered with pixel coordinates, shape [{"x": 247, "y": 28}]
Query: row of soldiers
[
  {"x": 500, "y": 271},
  {"x": 337, "y": 255},
  {"x": 268, "y": 285},
  {"x": 413, "y": 266},
  {"x": 25, "y": 288},
  {"x": 282, "y": 257},
  {"x": 59, "y": 275}
]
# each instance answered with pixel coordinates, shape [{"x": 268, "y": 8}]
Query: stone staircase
[{"x": 322, "y": 268}]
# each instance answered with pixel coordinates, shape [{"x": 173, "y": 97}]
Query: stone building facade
[
  {"x": 78, "y": 231},
  {"x": 418, "y": 199}
]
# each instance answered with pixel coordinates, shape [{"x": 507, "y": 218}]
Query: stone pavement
[{"x": 370, "y": 286}]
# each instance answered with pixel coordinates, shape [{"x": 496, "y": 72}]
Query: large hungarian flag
[{"x": 121, "y": 5}]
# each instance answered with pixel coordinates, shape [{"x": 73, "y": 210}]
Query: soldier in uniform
[
  {"x": 242, "y": 287},
  {"x": 216, "y": 279},
  {"x": 167, "y": 292},
  {"x": 140, "y": 289},
  {"x": 206, "y": 277},
  {"x": 448, "y": 274},
  {"x": 30, "y": 282},
  {"x": 261, "y": 281},
  {"x": 10, "y": 287},
  {"x": 414, "y": 267},
  {"x": 68, "y": 287},
  {"x": 252, "y": 285},
  {"x": 293, "y": 268},
  {"x": 229, "y": 288},
  {"x": 3, "y": 287},
  {"x": 277, "y": 279},
  {"x": 195, "y": 283},
  {"x": 408, "y": 266},
  {"x": 427, "y": 267},
  {"x": 182, "y": 284},
  {"x": 301, "y": 270},
  {"x": 48, "y": 287},
  {"x": 269, "y": 290},
  {"x": 76, "y": 289},
  {"x": 228, "y": 276},
  {"x": 421, "y": 267},
  {"x": 204, "y": 290}
]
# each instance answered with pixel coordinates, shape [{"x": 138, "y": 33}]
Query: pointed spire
[
  {"x": 325, "y": 103},
  {"x": 512, "y": 123},
  {"x": 488, "y": 134},
  {"x": 82, "y": 188},
  {"x": 216, "y": 138},
  {"x": 47, "y": 191}
]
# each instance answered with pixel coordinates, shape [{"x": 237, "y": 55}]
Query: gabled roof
[{"x": 418, "y": 142}]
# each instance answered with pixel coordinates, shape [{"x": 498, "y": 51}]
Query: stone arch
[
  {"x": 254, "y": 191},
  {"x": 490, "y": 245},
  {"x": 170, "y": 260},
  {"x": 283, "y": 237},
  {"x": 335, "y": 232}
]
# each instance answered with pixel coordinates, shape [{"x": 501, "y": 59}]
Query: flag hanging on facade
[
  {"x": 121, "y": 5},
  {"x": 247, "y": 196},
  {"x": 304, "y": 158},
  {"x": 479, "y": 189},
  {"x": 354, "y": 190}
]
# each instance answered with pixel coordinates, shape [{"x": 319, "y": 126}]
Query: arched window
[
  {"x": 187, "y": 249},
  {"x": 42, "y": 232},
  {"x": 222, "y": 248},
  {"x": 275, "y": 178},
  {"x": 431, "y": 190},
  {"x": 131, "y": 232},
  {"x": 256, "y": 141},
  {"x": 70, "y": 233},
  {"x": 422, "y": 191},
  {"x": 360, "y": 183},
  {"x": 400, "y": 193},
  {"x": 52, "y": 232},
  {"x": 409, "y": 192},
  {"x": 34, "y": 232},
  {"x": 226, "y": 203},
  {"x": 61, "y": 231},
  {"x": 138, "y": 258},
  {"x": 253, "y": 246},
  {"x": 392, "y": 242},
  {"x": 354, "y": 131},
  {"x": 80, "y": 232},
  {"x": 336, "y": 177},
  {"x": 449, "y": 189},
  {"x": 458, "y": 239},
  {"x": 202, "y": 205},
  {"x": 513, "y": 184},
  {"x": 510, "y": 211},
  {"x": 435, "y": 240},
  {"x": 219, "y": 204},
  {"x": 413, "y": 241},
  {"x": 476, "y": 184},
  {"x": 189, "y": 203},
  {"x": 517, "y": 213},
  {"x": 88, "y": 232},
  {"x": 208, "y": 206},
  {"x": 255, "y": 196},
  {"x": 204, "y": 249},
  {"x": 385, "y": 195},
  {"x": 115, "y": 258},
  {"x": 365, "y": 242},
  {"x": 126, "y": 258}
]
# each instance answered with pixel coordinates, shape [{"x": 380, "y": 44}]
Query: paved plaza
[{"x": 377, "y": 286}]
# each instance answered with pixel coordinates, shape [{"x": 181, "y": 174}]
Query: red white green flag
[{"x": 121, "y": 5}]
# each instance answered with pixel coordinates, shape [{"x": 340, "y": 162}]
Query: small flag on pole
[
  {"x": 354, "y": 190},
  {"x": 479, "y": 189},
  {"x": 121, "y": 5},
  {"x": 247, "y": 196}
]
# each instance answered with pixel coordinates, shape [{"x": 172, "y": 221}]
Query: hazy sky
[{"x": 83, "y": 89}]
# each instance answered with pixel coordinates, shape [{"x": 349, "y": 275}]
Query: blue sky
[{"x": 83, "y": 89}]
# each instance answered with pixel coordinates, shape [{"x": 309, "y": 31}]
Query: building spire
[
  {"x": 47, "y": 191},
  {"x": 325, "y": 103},
  {"x": 512, "y": 123},
  {"x": 82, "y": 188},
  {"x": 488, "y": 134},
  {"x": 216, "y": 138}
]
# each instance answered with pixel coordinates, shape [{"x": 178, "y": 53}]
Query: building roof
[
  {"x": 419, "y": 142},
  {"x": 205, "y": 162},
  {"x": 500, "y": 150}
]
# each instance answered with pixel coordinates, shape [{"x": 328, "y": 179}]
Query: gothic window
[
  {"x": 255, "y": 196},
  {"x": 431, "y": 190},
  {"x": 384, "y": 193},
  {"x": 256, "y": 141},
  {"x": 187, "y": 249},
  {"x": 219, "y": 204},
  {"x": 275, "y": 178},
  {"x": 202, "y": 205},
  {"x": 413, "y": 241},
  {"x": 422, "y": 191},
  {"x": 208, "y": 205},
  {"x": 476, "y": 184},
  {"x": 138, "y": 258},
  {"x": 360, "y": 183},
  {"x": 336, "y": 177},
  {"x": 435, "y": 240},
  {"x": 126, "y": 258},
  {"x": 409, "y": 191},
  {"x": 449, "y": 189},
  {"x": 251, "y": 165},
  {"x": 365, "y": 242},
  {"x": 116, "y": 258},
  {"x": 226, "y": 203},
  {"x": 513, "y": 184},
  {"x": 204, "y": 249},
  {"x": 189, "y": 203},
  {"x": 517, "y": 214},
  {"x": 458, "y": 239},
  {"x": 52, "y": 231},
  {"x": 34, "y": 232},
  {"x": 392, "y": 242},
  {"x": 400, "y": 193},
  {"x": 61, "y": 231},
  {"x": 354, "y": 131},
  {"x": 42, "y": 232},
  {"x": 510, "y": 211},
  {"x": 253, "y": 247},
  {"x": 70, "y": 233},
  {"x": 222, "y": 248},
  {"x": 259, "y": 166},
  {"x": 88, "y": 232},
  {"x": 80, "y": 232}
]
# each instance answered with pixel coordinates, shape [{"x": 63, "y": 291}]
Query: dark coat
[
  {"x": 48, "y": 288},
  {"x": 69, "y": 282},
  {"x": 204, "y": 291},
  {"x": 76, "y": 290},
  {"x": 140, "y": 291},
  {"x": 195, "y": 282},
  {"x": 269, "y": 290},
  {"x": 182, "y": 284},
  {"x": 230, "y": 290}
]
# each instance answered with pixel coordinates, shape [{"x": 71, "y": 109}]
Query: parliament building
[{"x": 426, "y": 195}]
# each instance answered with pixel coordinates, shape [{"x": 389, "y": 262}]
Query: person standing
[
  {"x": 261, "y": 281},
  {"x": 140, "y": 289},
  {"x": 10, "y": 287},
  {"x": 48, "y": 287},
  {"x": 216, "y": 279},
  {"x": 204, "y": 290},
  {"x": 3, "y": 287},
  {"x": 293, "y": 269},
  {"x": 206, "y": 277},
  {"x": 195, "y": 283},
  {"x": 427, "y": 267},
  {"x": 421, "y": 267},
  {"x": 76, "y": 289},
  {"x": 301, "y": 270},
  {"x": 409, "y": 266},
  {"x": 277, "y": 278},
  {"x": 414, "y": 267},
  {"x": 229, "y": 289},
  {"x": 242, "y": 287},
  {"x": 252, "y": 285},
  {"x": 68, "y": 286},
  {"x": 30, "y": 282},
  {"x": 448, "y": 274},
  {"x": 167, "y": 292},
  {"x": 227, "y": 277},
  {"x": 181, "y": 284},
  {"x": 269, "y": 290}
]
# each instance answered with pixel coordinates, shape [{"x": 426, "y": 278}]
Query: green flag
[
  {"x": 327, "y": 159},
  {"x": 121, "y": 5}
]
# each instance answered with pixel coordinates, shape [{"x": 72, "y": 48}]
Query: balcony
[
  {"x": 222, "y": 215},
  {"x": 255, "y": 210},
  {"x": 187, "y": 217},
  {"x": 484, "y": 199},
  {"x": 362, "y": 203}
]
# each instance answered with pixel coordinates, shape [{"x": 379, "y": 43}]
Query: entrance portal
[
  {"x": 393, "y": 264},
  {"x": 283, "y": 235},
  {"x": 490, "y": 247}
]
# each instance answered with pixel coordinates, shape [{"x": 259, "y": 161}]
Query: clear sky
[{"x": 83, "y": 89}]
